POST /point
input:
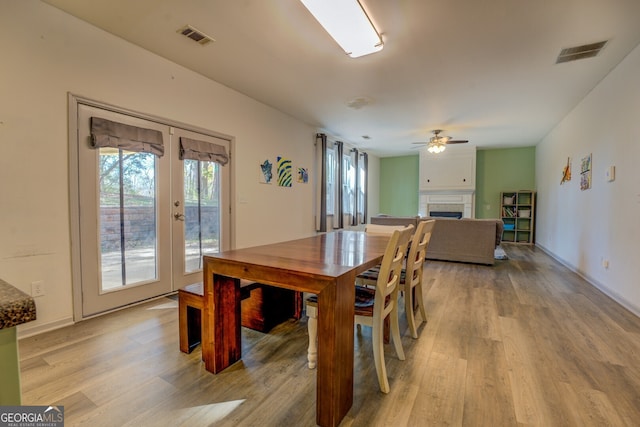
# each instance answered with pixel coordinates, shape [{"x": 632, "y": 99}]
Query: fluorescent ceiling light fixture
[{"x": 348, "y": 24}]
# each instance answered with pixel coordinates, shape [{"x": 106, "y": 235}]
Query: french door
[
  {"x": 146, "y": 217},
  {"x": 200, "y": 207}
]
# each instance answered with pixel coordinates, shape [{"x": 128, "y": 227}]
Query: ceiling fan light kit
[
  {"x": 348, "y": 24},
  {"x": 437, "y": 144}
]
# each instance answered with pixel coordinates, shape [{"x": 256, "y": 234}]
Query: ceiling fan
[{"x": 437, "y": 143}]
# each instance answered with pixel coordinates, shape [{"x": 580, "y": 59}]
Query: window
[
  {"x": 341, "y": 185},
  {"x": 348, "y": 188},
  {"x": 331, "y": 181},
  {"x": 362, "y": 200}
]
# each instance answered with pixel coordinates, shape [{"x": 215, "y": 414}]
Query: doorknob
[{"x": 178, "y": 216}]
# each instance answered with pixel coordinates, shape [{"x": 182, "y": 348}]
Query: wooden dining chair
[
  {"x": 382, "y": 229},
  {"x": 411, "y": 279},
  {"x": 411, "y": 275},
  {"x": 373, "y": 306},
  {"x": 370, "y": 277}
]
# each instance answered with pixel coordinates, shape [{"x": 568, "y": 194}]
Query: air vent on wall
[
  {"x": 195, "y": 35},
  {"x": 580, "y": 52}
]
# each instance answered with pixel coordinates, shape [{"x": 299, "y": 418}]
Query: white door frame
[{"x": 74, "y": 197}]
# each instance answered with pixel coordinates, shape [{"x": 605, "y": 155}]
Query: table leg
[
  {"x": 221, "y": 318},
  {"x": 335, "y": 351}
]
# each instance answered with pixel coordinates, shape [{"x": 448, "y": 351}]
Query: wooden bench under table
[{"x": 263, "y": 307}]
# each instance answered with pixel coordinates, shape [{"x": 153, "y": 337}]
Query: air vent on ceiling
[
  {"x": 580, "y": 52},
  {"x": 195, "y": 35}
]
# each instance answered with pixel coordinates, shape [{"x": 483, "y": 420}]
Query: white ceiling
[{"x": 482, "y": 70}]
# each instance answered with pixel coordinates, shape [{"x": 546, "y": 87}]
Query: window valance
[
  {"x": 193, "y": 149},
  {"x": 105, "y": 133}
]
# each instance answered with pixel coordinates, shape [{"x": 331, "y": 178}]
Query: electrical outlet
[
  {"x": 605, "y": 263},
  {"x": 610, "y": 173},
  {"x": 37, "y": 289}
]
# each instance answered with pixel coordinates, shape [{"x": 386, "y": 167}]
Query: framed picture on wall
[
  {"x": 585, "y": 173},
  {"x": 266, "y": 172}
]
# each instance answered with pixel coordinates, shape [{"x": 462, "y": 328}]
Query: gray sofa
[{"x": 462, "y": 240}]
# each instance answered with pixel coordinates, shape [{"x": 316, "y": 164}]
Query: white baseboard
[
  {"x": 593, "y": 282},
  {"x": 25, "y": 330}
]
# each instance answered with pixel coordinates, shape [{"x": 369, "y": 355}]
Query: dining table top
[{"x": 327, "y": 255}]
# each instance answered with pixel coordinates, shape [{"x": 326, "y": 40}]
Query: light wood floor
[{"x": 522, "y": 343}]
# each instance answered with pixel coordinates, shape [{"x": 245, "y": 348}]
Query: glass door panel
[
  {"x": 128, "y": 218},
  {"x": 201, "y": 209},
  {"x": 202, "y": 212}
]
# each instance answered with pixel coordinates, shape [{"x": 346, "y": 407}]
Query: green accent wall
[
  {"x": 497, "y": 170},
  {"x": 399, "y": 185},
  {"x": 506, "y": 169}
]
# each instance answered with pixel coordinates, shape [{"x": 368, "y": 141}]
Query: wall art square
[
  {"x": 566, "y": 172},
  {"x": 303, "y": 175},
  {"x": 266, "y": 172},
  {"x": 585, "y": 173},
  {"x": 285, "y": 178}
]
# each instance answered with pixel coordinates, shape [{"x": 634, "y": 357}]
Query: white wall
[
  {"x": 585, "y": 228},
  {"x": 45, "y": 54}
]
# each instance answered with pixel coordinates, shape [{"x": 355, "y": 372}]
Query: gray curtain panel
[
  {"x": 193, "y": 149},
  {"x": 105, "y": 133}
]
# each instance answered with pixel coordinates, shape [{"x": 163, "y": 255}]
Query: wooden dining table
[{"x": 326, "y": 265}]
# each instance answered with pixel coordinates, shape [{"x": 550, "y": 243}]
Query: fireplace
[
  {"x": 454, "y": 204},
  {"x": 445, "y": 214}
]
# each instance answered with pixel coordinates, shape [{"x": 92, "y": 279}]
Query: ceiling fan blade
[
  {"x": 419, "y": 143},
  {"x": 457, "y": 141}
]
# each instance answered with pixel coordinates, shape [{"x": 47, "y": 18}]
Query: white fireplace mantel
[
  {"x": 447, "y": 181},
  {"x": 451, "y": 202}
]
